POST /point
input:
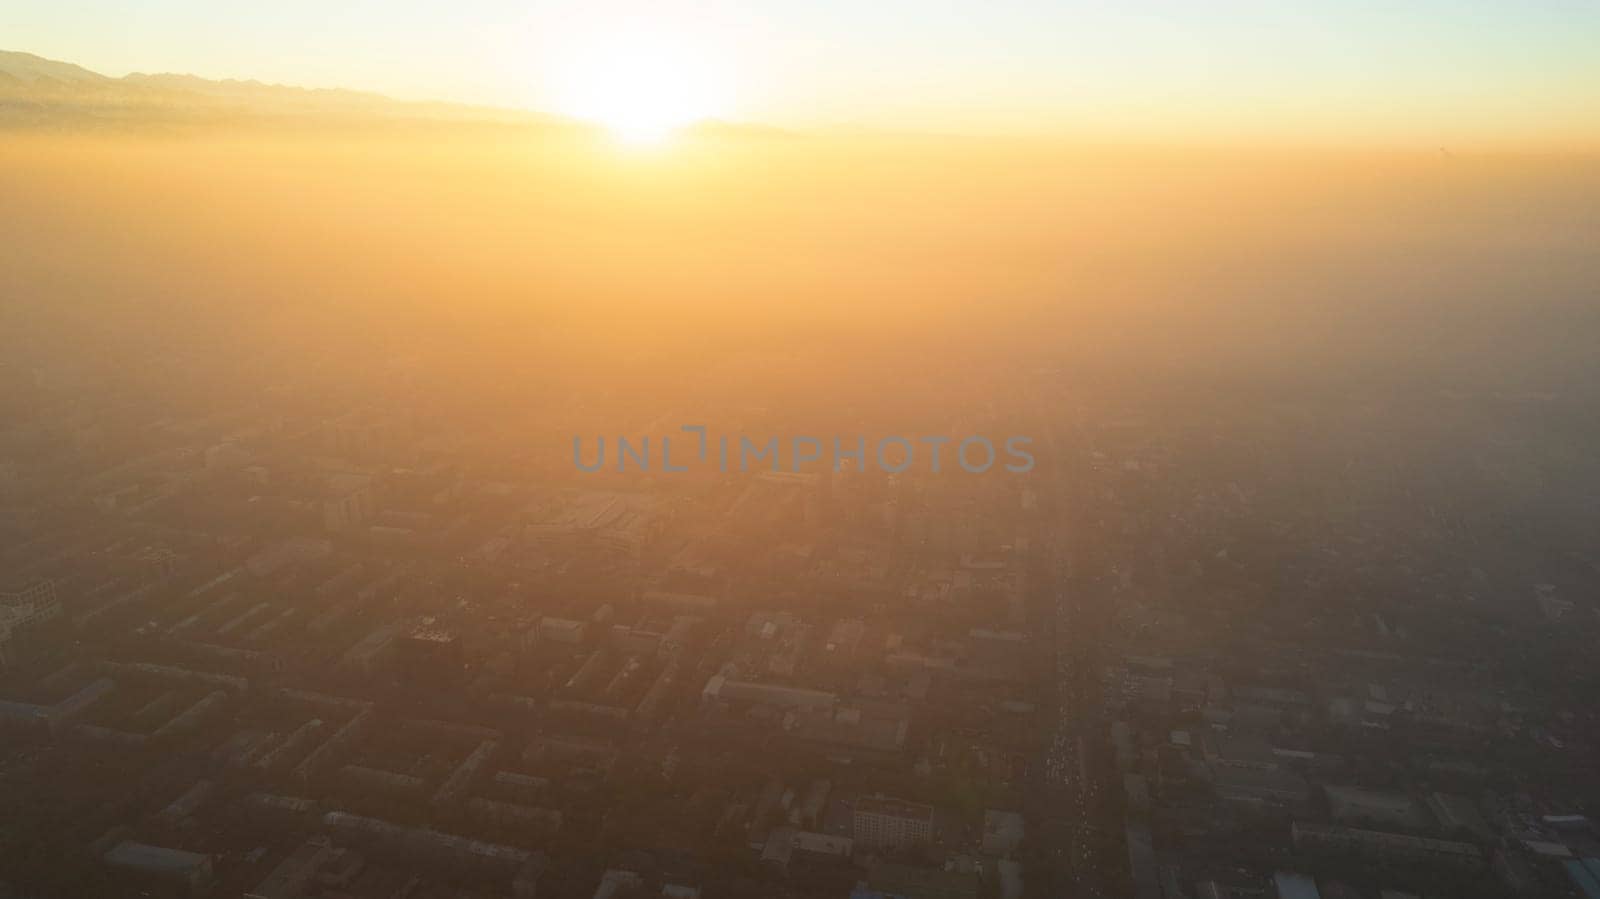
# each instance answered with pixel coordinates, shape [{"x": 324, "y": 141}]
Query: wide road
[{"x": 1075, "y": 829}]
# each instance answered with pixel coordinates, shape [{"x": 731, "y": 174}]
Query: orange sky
[{"x": 1426, "y": 71}]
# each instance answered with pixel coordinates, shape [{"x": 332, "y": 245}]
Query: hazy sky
[{"x": 1426, "y": 69}]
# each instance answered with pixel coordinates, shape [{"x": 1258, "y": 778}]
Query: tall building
[{"x": 882, "y": 822}]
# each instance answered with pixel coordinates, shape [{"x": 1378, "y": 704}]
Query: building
[
  {"x": 30, "y": 604},
  {"x": 863, "y": 729},
  {"x": 1354, "y": 806},
  {"x": 617, "y": 882},
  {"x": 1388, "y": 847},
  {"x": 1291, "y": 885},
  {"x": 562, "y": 630},
  {"x": 1255, "y": 785},
  {"x": 809, "y": 812},
  {"x": 7, "y": 651},
  {"x": 719, "y": 690},
  {"x": 1457, "y": 816},
  {"x": 347, "y": 503},
  {"x": 788, "y": 845},
  {"x": 427, "y": 847},
  {"x": 677, "y": 637},
  {"x": 160, "y": 871},
  {"x": 294, "y": 873},
  {"x": 882, "y": 822},
  {"x": 890, "y": 881},
  {"x": 1002, "y": 832},
  {"x": 429, "y": 657},
  {"x": 372, "y": 651}
]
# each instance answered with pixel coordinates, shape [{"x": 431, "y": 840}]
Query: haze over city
[
  {"x": 1311, "y": 71},
  {"x": 799, "y": 451}
]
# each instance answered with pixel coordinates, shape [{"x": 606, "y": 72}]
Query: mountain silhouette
[{"x": 36, "y": 92}]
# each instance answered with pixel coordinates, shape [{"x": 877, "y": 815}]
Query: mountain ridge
[
  {"x": 47, "y": 94},
  {"x": 38, "y": 92},
  {"x": 30, "y": 67}
]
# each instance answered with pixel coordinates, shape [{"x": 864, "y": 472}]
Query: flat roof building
[{"x": 161, "y": 870}]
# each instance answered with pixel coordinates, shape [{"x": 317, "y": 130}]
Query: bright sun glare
[{"x": 641, "y": 86}]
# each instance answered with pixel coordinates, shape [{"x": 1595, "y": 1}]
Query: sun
[{"x": 642, "y": 86}]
